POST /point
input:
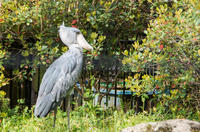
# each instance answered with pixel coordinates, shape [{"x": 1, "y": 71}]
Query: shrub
[
  {"x": 172, "y": 46},
  {"x": 29, "y": 30},
  {"x": 4, "y": 105}
]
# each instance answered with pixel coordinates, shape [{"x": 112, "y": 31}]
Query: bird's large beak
[{"x": 83, "y": 43}]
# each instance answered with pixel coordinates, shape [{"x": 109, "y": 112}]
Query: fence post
[
  {"x": 115, "y": 103},
  {"x": 123, "y": 97},
  {"x": 107, "y": 84},
  {"x": 11, "y": 89}
]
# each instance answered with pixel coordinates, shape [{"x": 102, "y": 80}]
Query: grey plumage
[{"x": 58, "y": 80}]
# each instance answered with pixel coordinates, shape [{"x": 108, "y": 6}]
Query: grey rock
[{"x": 176, "y": 125}]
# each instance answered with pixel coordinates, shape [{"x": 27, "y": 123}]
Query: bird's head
[{"x": 73, "y": 36}]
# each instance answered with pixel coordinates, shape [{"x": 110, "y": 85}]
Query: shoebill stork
[{"x": 58, "y": 80}]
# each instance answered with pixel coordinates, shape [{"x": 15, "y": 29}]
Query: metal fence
[{"x": 109, "y": 89}]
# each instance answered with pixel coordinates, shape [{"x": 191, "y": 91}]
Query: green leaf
[
  {"x": 126, "y": 52},
  {"x": 94, "y": 35},
  {"x": 25, "y": 53}
]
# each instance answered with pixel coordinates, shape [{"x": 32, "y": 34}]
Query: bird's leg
[
  {"x": 68, "y": 111},
  {"x": 54, "y": 120}
]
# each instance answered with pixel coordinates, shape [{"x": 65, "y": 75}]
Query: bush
[
  {"x": 29, "y": 30},
  {"x": 172, "y": 46},
  {"x": 4, "y": 105}
]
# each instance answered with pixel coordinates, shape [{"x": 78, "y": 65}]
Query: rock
[{"x": 176, "y": 125}]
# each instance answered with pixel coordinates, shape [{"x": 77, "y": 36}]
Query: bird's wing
[
  {"x": 58, "y": 74},
  {"x": 56, "y": 83}
]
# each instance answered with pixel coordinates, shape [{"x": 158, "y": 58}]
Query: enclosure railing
[{"x": 110, "y": 83}]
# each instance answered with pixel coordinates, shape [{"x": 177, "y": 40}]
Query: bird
[{"x": 59, "y": 78}]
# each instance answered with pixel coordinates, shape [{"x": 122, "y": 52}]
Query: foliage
[
  {"x": 29, "y": 38},
  {"x": 80, "y": 120},
  {"x": 3, "y": 79},
  {"x": 172, "y": 50},
  {"x": 3, "y": 104},
  {"x": 83, "y": 118},
  {"x": 29, "y": 30}
]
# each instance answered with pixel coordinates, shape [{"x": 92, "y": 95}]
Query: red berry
[
  {"x": 195, "y": 39},
  {"x": 47, "y": 61},
  {"x": 57, "y": 39},
  {"x": 157, "y": 87},
  {"x": 74, "y": 21},
  {"x": 161, "y": 46}
]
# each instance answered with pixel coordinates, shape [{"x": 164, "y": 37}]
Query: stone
[{"x": 175, "y": 125}]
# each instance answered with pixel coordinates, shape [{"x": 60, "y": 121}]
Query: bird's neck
[{"x": 76, "y": 46}]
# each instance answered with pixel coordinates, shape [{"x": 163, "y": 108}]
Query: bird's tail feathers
[{"x": 43, "y": 106}]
